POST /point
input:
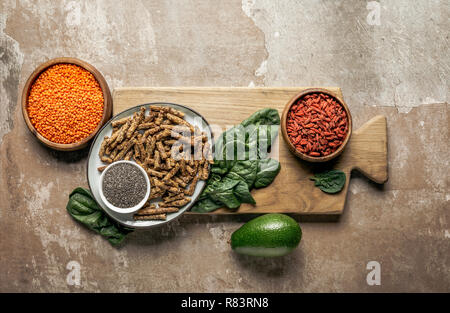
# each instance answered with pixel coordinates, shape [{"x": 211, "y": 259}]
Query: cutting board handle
[{"x": 368, "y": 147}]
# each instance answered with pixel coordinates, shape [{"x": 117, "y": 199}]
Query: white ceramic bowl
[{"x": 124, "y": 210}]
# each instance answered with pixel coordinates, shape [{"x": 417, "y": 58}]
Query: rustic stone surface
[{"x": 398, "y": 68}]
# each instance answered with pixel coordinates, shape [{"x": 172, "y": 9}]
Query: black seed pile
[{"x": 124, "y": 185}]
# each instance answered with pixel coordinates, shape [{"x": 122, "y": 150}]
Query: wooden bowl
[
  {"x": 107, "y": 104},
  {"x": 288, "y": 141}
]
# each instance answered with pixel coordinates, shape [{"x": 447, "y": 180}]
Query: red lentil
[
  {"x": 65, "y": 104},
  {"x": 317, "y": 124}
]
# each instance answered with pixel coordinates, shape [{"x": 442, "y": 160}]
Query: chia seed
[{"x": 124, "y": 185}]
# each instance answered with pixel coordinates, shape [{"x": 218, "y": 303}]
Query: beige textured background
[{"x": 399, "y": 68}]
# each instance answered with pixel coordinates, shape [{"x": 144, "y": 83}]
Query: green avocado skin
[{"x": 268, "y": 231}]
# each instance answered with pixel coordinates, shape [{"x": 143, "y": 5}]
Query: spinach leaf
[
  {"x": 83, "y": 208},
  {"x": 242, "y": 192},
  {"x": 228, "y": 192},
  {"x": 255, "y": 134},
  {"x": 206, "y": 205},
  {"x": 213, "y": 179},
  {"x": 222, "y": 191},
  {"x": 227, "y": 198},
  {"x": 245, "y": 171},
  {"x": 330, "y": 182},
  {"x": 263, "y": 117},
  {"x": 268, "y": 169},
  {"x": 222, "y": 166},
  {"x": 232, "y": 178},
  {"x": 217, "y": 185},
  {"x": 260, "y": 139}
]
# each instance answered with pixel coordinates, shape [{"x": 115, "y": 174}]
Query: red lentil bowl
[
  {"x": 316, "y": 125},
  {"x": 85, "y": 123}
]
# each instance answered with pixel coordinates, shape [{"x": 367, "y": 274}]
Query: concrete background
[{"x": 397, "y": 66}]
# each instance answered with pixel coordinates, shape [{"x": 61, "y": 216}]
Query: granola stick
[
  {"x": 149, "y": 217},
  {"x": 152, "y": 211}
]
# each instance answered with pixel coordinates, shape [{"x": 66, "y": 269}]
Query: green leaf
[
  {"x": 227, "y": 198},
  {"x": 330, "y": 182},
  {"x": 218, "y": 186},
  {"x": 82, "y": 191},
  {"x": 117, "y": 239},
  {"x": 83, "y": 208},
  {"x": 76, "y": 206},
  {"x": 222, "y": 166},
  {"x": 263, "y": 117},
  {"x": 243, "y": 194},
  {"x": 232, "y": 178},
  {"x": 245, "y": 170},
  {"x": 228, "y": 141},
  {"x": 113, "y": 236},
  {"x": 206, "y": 205},
  {"x": 268, "y": 169},
  {"x": 260, "y": 139}
]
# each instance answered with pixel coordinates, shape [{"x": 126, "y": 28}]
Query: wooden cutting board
[{"x": 292, "y": 191}]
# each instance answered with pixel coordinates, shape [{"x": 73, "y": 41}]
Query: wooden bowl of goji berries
[
  {"x": 65, "y": 102},
  {"x": 316, "y": 125}
]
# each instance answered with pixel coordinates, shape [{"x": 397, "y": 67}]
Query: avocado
[{"x": 267, "y": 235}]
